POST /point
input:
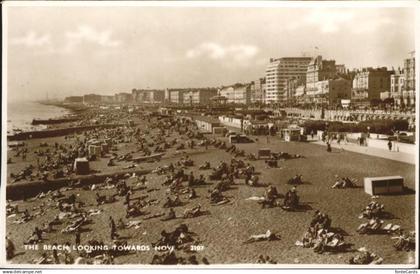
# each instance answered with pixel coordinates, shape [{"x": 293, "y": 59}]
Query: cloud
[
  {"x": 32, "y": 39},
  {"x": 216, "y": 51},
  {"x": 373, "y": 24},
  {"x": 329, "y": 20},
  {"x": 90, "y": 35}
]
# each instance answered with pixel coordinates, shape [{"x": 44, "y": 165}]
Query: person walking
[
  {"x": 113, "y": 228},
  {"x": 77, "y": 237},
  {"x": 389, "y": 145}
]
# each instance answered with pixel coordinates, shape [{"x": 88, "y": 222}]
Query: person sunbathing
[
  {"x": 268, "y": 236},
  {"x": 193, "y": 212},
  {"x": 170, "y": 215},
  {"x": 205, "y": 166}
]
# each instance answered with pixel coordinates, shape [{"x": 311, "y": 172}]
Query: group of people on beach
[{"x": 181, "y": 179}]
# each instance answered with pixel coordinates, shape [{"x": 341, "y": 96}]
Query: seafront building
[
  {"x": 278, "y": 71},
  {"x": 237, "y": 93},
  {"x": 290, "y": 81},
  {"x": 402, "y": 84},
  {"x": 330, "y": 91},
  {"x": 199, "y": 96},
  {"x": 341, "y": 69},
  {"x": 91, "y": 98},
  {"x": 107, "y": 99},
  {"x": 123, "y": 97},
  {"x": 190, "y": 96},
  {"x": 258, "y": 91},
  {"x": 409, "y": 94},
  {"x": 148, "y": 96},
  {"x": 368, "y": 83},
  {"x": 319, "y": 70}
]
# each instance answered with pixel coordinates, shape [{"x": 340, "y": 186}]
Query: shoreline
[{"x": 36, "y": 124}]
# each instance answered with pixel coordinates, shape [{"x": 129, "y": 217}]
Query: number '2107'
[{"x": 197, "y": 247}]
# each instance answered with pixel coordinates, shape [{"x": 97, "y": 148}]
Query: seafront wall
[{"x": 26, "y": 190}]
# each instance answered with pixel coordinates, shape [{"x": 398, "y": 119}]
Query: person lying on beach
[
  {"x": 365, "y": 257},
  {"x": 132, "y": 211},
  {"x": 254, "y": 180},
  {"x": 373, "y": 209},
  {"x": 320, "y": 221},
  {"x": 193, "y": 212},
  {"x": 205, "y": 166},
  {"x": 26, "y": 217},
  {"x": 265, "y": 260},
  {"x": 192, "y": 194},
  {"x": 344, "y": 182},
  {"x": 405, "y": 242},
  {"x": 170, "y": 215},
  {"x": 44, "y": 259},
  {"x": 268, "y": 236}
]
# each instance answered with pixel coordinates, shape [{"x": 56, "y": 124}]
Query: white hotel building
[{"x": 281, "y": 69}]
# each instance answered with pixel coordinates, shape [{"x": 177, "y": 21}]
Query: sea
[{"x": 21, "y": 114}]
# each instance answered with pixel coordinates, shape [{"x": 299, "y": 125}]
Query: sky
[{"x": 63, "y": 51}]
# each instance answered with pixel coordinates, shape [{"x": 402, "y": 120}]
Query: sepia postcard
[{"x": 211, "y": 134}]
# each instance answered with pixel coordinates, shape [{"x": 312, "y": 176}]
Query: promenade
[{"x": 372, "y": 151}]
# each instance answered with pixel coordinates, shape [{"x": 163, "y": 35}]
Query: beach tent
[{"x": 81, "y": 166}]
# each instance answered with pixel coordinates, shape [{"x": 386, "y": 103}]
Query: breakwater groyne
[
  {"x": 56, "y": 132},
  {"x": 54, "y": 121}
]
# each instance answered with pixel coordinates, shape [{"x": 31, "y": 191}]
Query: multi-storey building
[
  {"x": 148, "y": 96},
  {"x": 107, "y": 99},
  {"x": 199, "y": 96},
  {"x": 291, "y": 85},
  {"x": 341, "y": 69},
  {"x": 371, "y": 81},
  {"x": 176, "y": 96},
  {"x": 410, "y": 73},
  {"x": 91, "y": 99},
  {"x": 397, "y": 82},
  {"x": 409, "y": 94},
  {"x": 237, "y": 94},
  {"x": 330, "y": 91},
  {"x": 319, "y": 70},
  {"x": 123, "y": 97},
  {"x": 258, "y": 91},
  {"x": 278, "y": 71},
  {"x": 99, "y": 99}
]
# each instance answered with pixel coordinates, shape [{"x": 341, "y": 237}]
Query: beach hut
[
  {"x": 264, "y": 152},
  {"x": 95, "y": 150},
  {"x": 384, "y": 185},
  {"x": 81, "y": 166},
  {"x": 291, "y": 134},
  {"x": 219, "y": 130},
  {"x": 105, "y": 148}
]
